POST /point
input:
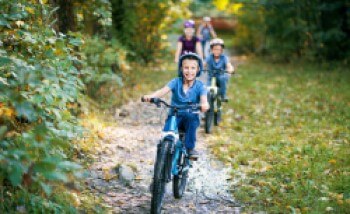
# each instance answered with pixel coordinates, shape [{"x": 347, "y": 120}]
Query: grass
[{"x": 286, "y": 137}]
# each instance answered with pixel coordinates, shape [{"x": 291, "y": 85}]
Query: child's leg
[
  {"x": 222, "y": 80},
  {"x": 203, "y": 46},
  {"x": 189, "y": 122}
]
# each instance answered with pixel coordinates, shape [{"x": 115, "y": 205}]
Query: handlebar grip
[{"x": 152, "y": 100}]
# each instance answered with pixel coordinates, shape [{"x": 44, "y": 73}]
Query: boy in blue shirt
[
  {"x": 186, "y": 88},
  {"x": 218, "y": 61}
]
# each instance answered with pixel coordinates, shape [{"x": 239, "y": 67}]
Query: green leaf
[
  {"x": 75, "y": 42},
  {"x": 3, "y": 130},
  {"x": 4, "y": 60},
  {"x": 55, "y": 176},
  {"x": 47, "y": 188},
  {"x": 26, "y": 110},
  {"x": 16, "y": 173},
  {"x": 44, "y": 166},
  {"x": 4, "y": 22},
  {"x": 68, "y": 165}
]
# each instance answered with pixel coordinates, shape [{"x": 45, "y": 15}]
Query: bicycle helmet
[
  {"x": 206, "y": 19},
  {"x": 190, "y": 55},
  {"x": 217, "y": 41},
  {"x": 189, "y": 24}
]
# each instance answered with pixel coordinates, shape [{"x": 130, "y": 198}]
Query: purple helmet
[{"x": 189, "y": 23}]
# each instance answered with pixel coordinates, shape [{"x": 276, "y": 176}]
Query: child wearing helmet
[
  {"x": 186, "y": 88},
  {"x": 204, "y": 32},
  {"x": 188, "y": 43},
  {"x": 217, "y": 60}
]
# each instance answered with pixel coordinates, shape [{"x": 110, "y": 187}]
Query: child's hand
[
  {"x": 205, "y": 107},
  {"x": 146, "y": 98}
]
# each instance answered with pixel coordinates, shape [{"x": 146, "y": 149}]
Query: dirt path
[{"x": 132, "y": 142}]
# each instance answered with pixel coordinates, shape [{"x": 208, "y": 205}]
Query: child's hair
[{"x": 217, "y": 41}]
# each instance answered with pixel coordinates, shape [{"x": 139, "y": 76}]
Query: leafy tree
[
  {"x": 300, "y": 28},
  {"x": 140, "y": 24}
]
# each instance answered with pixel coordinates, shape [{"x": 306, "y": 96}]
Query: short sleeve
[
  {"x": 226, "y": 60},
  {"x": 172, "y": 84},
  {"x": 197, "y": 39},
  {"x": 180, "y": 39},
  {"x": 202, "y": 90},
  {"x": 207, "y": 60}
]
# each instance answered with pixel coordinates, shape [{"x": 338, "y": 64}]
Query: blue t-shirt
[
  {"x": 219, "y": 65},
  {"x": 179, "y": 97},
  {"x": 205, "y": 31}
]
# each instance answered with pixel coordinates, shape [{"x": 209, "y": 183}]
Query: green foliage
[
  {"x": 106, "y": 66},
  {"x": 317, "y": 29},
  {"x": 39, "y": 82},
  {"x": 288, "y": 137},
  {"x": 141, "y": 25}
]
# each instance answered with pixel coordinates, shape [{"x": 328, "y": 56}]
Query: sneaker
[
  {"x": 193, "y": 154},
  {"x": 224, "y": 98}
]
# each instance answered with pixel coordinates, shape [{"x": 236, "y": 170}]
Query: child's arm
[
  {"x": 212, "y": 31},
  {"x": 199, "y": 50},
  {"x": 157, "y": 94},
  {"x": 199, "y": 32},
  {"x": 204, "y": 103},
  {"x": 178, "y": 51},
  {"x": 230, "y": 68}
]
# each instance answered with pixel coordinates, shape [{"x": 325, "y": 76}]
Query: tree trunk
[{"x": 66, "y": 17}]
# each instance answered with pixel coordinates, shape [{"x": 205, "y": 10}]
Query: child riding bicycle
[
  {"x": 186, "y": 89},
  {"x": 205, "y": 32},
  {"x": 188, "y": 42},
  {"x": 217, "y": 60}
]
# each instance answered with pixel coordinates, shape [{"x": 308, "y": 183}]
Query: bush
[{"x": 39, "y": 81}]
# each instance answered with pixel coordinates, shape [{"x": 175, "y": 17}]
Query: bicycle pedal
[{"x": 193, "y": 158}]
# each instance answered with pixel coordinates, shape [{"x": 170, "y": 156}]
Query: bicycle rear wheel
[
  {"x": 180, "y": 180},
  {"x": 159, "y": 177},
  {"x": 209, "y": 115}
]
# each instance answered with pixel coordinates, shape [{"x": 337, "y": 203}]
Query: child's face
[
  {"x": 189, "y": 31},
  {"x": 217, "y": 50},
  {"x": 189, "y": 69}
]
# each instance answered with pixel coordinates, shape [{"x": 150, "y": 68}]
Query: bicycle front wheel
[
  {"x": 217, "y": 114},
  {"x": 159, "y": 178},
  {"x": 180, "y": 180}
]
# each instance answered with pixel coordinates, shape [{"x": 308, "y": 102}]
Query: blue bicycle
[{"x": 172, "y": 161}]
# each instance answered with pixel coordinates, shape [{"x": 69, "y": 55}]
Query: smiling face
[
  {"x": 189, "y": 69},
  {"x": 217, "y": 50},
  {"x": 189, "y": 32}
]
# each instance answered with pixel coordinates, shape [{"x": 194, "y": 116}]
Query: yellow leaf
[
  {"x": 332, "y": 161},
  {"x": 221, "y": 4},
  {"x": 30, "y": 10}
]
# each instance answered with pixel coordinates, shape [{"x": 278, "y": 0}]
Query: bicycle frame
[{"x": 173, "y": 132}]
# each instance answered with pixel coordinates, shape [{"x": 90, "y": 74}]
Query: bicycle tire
[
  {"x": 159, "y": 181},
  {"x": 180, "y": 180},
  {"x": 217, "y": 115},
  {"x": 209, "y": 115}
]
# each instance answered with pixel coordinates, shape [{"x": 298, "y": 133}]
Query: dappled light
[{"x": 253, "y": 118}]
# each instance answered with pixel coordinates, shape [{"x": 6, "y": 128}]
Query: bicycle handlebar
[
  {"x": 158, "y": 102},
  {"x": 216, "y": 71}
]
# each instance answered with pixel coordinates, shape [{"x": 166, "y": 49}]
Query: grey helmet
[{"x": 190, "y": 55}]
